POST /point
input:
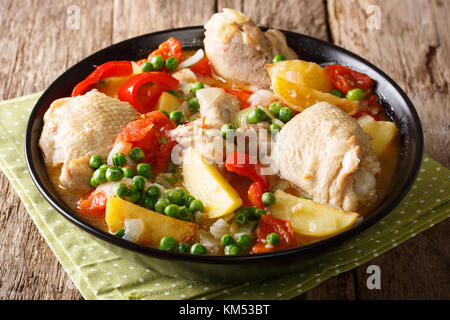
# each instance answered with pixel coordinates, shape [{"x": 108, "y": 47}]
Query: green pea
[
  {"x": 93, "y": 183},
  {"x": 177, "y": 117},
  {"x": 185, "y": 214},
  {"x": 196, "y": 86},
  {"x": 196, "y": 205},
  {"x": 161, "y": 204},
  {"x": 173, "y": 92},
  {"x": 143, "y": 169},
  {"x": 149, "y": 203},
  {"x": 132, "y": 195},
  {"x": 128, "y": 172},
  {"x": 187, "y": 199},
  {"x": 355, "y": 94},
  {"x": 275, "y": 107},
  {"x": 165, "y": 113},
  {"x": 244, "y": 241},
  {"x": 114, "y": 174},
  {"x": 258, "y": 213},
  {"x": 172, "y": 210},
  {"x": 138, "y": 183},
  {"x": 268, "y": 198},
  {"x": 174, "y": 196},
  {"x": 168, "y": 243},
  {"x": 198, "y": 249},
  {"x": 157, "y": 62},
  {"x": 120, "y": 190},
  {"x": 119, "y": 159},
  {"x": 274, "y": 128},
  {"x": 256, "y": 116},
  {"x": 241, "y": 215},
  {"x": 226, "y": 240},
  {"x": 100, "y": 175},
  {"x": 104, "y": 166},
  {"x": 147, "y": 66},
  {"x": 286, "y": 114},
  {"x": 337, "y": 93},
  {"x": 194, "y": 104},
  {"x": 183, "y": 247},
  {"x": 278, "y": 58},
  {"x": 181, "y": 192},
  {"x": 227, "y": 131},
  {"x": 154, "y": 192},
  {"x": 95, "y": 161},
  {"x": 120, "y": 233},
  {"x": 136, "y": 154},
  {"x": 273, "y": 238},
  {"x": 232, "y": 250},
  {"x": 171, "y": 63}
]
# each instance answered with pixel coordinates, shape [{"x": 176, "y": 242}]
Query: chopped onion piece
[
  {"x": 192, "y": 60},
  {"x": 278, "y": 122}
]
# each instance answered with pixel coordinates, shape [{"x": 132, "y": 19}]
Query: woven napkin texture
[{"x": 100, "y": 274}]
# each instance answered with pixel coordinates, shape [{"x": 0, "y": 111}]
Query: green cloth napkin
[{"x": 101, "y": 274}]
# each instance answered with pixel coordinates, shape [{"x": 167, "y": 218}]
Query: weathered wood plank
[
  {"x": 132, "y": 18},
  {"x": 305, "y": 16},
  {"x": 37, "y": 45},
  {"x": 411, "y": 47}
]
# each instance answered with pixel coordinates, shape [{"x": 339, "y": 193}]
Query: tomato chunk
[
  {"x": 150, "y": 134},
  {"x": 169, "y": 48},
  {"x": 255, "y": 193},
  {"x": 242, "y": 95},
  {"x": 345, "y": 79},
  {"x": 268, "y": 224},
  {"x": 94, "y": 204},
  {"x": 202, "y": 68}
]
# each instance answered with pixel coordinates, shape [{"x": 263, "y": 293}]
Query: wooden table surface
[{"x": 410, "y": 43}]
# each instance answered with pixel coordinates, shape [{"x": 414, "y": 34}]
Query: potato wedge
[
  {"x": 310, "y": 218},
  {"x": 156, "y": 225},
  {"x": 168, "y": 102},
  {"x": 205, "y": 182},
  {"x": 299, "y": 98},
  {"x": 382, "y": 132},
  {"x": 307, "y": 74}
]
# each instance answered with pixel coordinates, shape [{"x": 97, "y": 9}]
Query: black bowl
[{"x": 225, "y": 268}]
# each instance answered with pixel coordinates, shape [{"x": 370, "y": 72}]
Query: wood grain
[{"x": 411, "y": 46}]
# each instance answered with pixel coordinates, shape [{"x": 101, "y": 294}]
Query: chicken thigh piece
[
  {"x": 216, "y": 108},
  {"x": 76, "y": 128},
  {"x": 238, "y": 50},
  {"x": 326, "y": 153}
]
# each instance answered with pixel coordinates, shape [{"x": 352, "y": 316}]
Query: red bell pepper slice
[
  {"x": 345, "y": 79},
  {"x": 245, "y": 165},
  {"x": 94, "y": 204},
  {"x": 242, "y": 95},
  {"x": 255, "y": 193},
  {"x": 169, "y": 48},
  {"x": 142, "y": 91},
  {"x": 202, "y": 68},
  {"x": 150, "y": 134},
  {"x": 108, "y": 69},
  {"x": 268, "y": 224}
]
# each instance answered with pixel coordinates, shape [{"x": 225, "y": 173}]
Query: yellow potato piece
[
  {"x": 310, "y": 218},
  {"x": 111, "y": 85},
  {"x": 156, "y": 226},
  {"x": 299, "y": 98},
  {"x": 205, "y": 182},
  {"x": 382, "y": 132},
  {"x": 307, "y": 74},
  {"x": 168, "y": 102}
]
